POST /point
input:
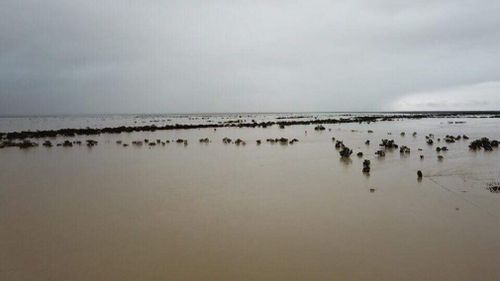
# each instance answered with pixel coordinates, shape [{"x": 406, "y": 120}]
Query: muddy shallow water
[{"x": 271, "y": 212}]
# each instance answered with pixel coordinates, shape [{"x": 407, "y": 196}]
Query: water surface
[{"x": 269, "y": 212}]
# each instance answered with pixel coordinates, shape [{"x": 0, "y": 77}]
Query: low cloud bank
[{"x": 480, "y": 96}]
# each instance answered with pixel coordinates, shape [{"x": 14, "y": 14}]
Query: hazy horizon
[
  {"x": 236, "y": 112},
  {"x": 87, "y": 57}
]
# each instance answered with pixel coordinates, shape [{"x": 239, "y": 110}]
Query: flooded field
[{"x": 275, "y": 211}]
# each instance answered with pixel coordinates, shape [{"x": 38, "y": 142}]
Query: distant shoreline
[
  {"x": 445, "y": 112},
  {"x": 72, "y": 132}
]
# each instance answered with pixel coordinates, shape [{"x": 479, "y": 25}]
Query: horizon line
[{"x": 245, "y": 112}]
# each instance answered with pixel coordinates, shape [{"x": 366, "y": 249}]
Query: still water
[{"x": 271, "y": 212}]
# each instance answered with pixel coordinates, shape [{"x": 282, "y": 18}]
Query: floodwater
[{"x": 271, "y": 212}]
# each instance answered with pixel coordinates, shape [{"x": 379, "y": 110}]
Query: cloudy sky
[{"x": 155, "y": 56}]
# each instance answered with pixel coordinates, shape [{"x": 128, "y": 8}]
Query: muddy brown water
[{"x": 268, "y": 212}]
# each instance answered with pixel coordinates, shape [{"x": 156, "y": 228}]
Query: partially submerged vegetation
[
  {"x": 72, "y": 132},
  {"x": 484, "y": 143},
  {"x": 51, "y": 138},
  {"x": 345, "y": 152},
  {"x": 494, "y": 187}
]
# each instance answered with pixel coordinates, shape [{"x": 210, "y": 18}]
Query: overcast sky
[{"x": 160, "y": 56}]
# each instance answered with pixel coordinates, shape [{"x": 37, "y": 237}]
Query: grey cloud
[{"x": 196, "y": 56}]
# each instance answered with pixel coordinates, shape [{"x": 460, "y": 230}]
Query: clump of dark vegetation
[
  {"x": 22, "y": 145},
  {"x": 366, "y": 166},
  {"x": 345, "y": 152},
  {"x": 494, "y": 187},
  {"x": 339, "y": 144},
  {"x": 67, "y": 143},
  {"x": 483, "y": 143},
  {"x": 91, "y": 143},
  {"x": 404, "y": 149},
  {"x": 388, "y": 144},
  {"x": 443, "y": 148},
  {"x": 452, "y": 139},
  {"x": 430, "y": 139},
  {"x": 319, "y": 128},
  {"x": 47, "y": 143},
  {"x": 240, "y": 142},
  {"x": 205, "y": 140},
  {"x": 26, "y": 144},
  {"x": 281, "y": 140}
]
